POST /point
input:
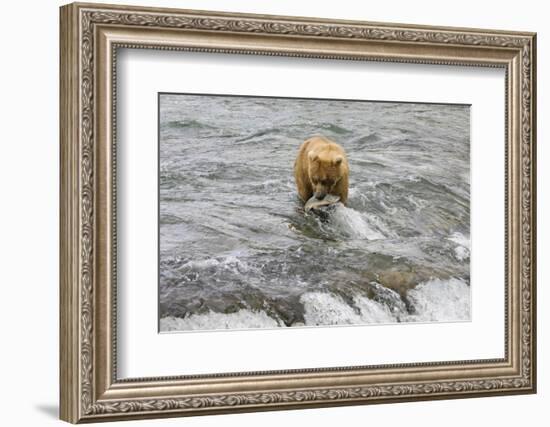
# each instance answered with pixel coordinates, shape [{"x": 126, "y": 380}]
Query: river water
[{"x": 238, "y": 252}]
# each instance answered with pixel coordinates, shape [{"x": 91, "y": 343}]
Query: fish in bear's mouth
[{"x": 315, "y": 203}]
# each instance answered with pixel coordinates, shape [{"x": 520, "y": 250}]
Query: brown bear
[{"x": 321, "y": 168}]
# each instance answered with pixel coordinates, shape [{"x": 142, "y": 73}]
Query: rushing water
[{"x": 237, "y": 250}]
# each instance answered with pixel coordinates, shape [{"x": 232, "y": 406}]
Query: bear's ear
[
  {"x": 338, "y": 160},
  {"x": 312, "y": 156}
]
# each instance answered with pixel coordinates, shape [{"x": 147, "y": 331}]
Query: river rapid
[{"x": 237, "y": 250}]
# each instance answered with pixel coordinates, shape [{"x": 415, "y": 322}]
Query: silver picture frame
[{"x": 90, "y": 37}]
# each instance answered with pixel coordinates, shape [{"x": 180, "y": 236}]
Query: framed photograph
[{"x": 266, "y": 212}]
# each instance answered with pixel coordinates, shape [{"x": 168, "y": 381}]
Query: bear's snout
[{"x": 320, "y": 195}]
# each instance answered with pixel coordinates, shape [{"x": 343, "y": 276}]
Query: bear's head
[{"x": 326, "y": 169}]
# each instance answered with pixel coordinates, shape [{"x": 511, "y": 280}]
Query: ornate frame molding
[{"x": 90, "y": 36}]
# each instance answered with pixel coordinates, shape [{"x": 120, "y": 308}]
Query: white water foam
[
  {"x": 462, "y": 250},
  {"x": 352, "y": 223},
  {"x": 230, "y": 262},
  {"x": 440, "y": 301},
  {"x": 242, "y": 319},
  {"x": 433, "y": 301},
  {"x": 323, "y": 308}
]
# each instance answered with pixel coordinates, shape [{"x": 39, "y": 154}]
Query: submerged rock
[{"x": 402, "y": 279}]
